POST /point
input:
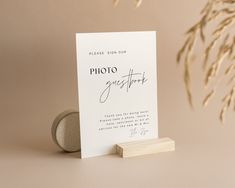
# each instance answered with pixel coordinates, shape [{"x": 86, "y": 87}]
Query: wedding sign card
[{"x": 117, "y": 86}]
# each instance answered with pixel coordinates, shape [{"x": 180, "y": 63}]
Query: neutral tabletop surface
[
  {"x": 38, "y": 81},
  {"x": 201, "y": 159}
]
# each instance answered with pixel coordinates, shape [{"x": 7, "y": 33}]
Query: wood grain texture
[{"x": 145, "y": 147}]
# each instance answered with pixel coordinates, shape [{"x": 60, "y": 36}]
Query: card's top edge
[{"x": 84, "y": 33}]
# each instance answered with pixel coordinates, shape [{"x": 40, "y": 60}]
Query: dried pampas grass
[
  {"x": 222, "y": 40},
  {"x": 137, "y": 3}
]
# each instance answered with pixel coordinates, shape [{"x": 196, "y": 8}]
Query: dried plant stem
[
  {"x": 227, "y": 100},
  {"x": 213, "y": 10},
  {"x": 229, "y": 69},
  {"x": 187, "y": 77},
  {"x": 224, "y": 25},
  {"x": 115, "y": 2},
  {"x": 215, "y": 67},
  {"x": 208, "y": 50},
  {"x": 137, "y": 3},
  {"x": 208, "y": 98}
]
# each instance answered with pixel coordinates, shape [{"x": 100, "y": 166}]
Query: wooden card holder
[{"x": 145, "y": 147}]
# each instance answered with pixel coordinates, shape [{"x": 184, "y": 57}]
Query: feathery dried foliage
[
  {"x": 137, "y": 2},
  {"x": 221, "y": 42}
]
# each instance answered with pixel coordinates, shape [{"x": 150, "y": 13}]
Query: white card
[{"x": 117, "y": 84}]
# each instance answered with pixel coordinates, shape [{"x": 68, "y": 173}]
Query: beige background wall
[{"x": 38, "y": 81}]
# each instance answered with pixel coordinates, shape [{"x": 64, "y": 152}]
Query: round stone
[{"x": 66, "y": 131}]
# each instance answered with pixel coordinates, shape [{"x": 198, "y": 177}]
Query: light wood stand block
[{"x": 144, "y": 147}]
